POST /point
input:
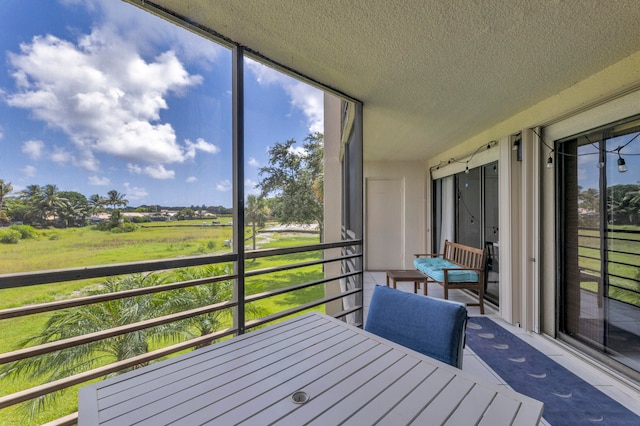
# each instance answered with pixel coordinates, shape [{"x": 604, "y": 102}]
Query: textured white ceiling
[{"x": 431, "y": 73}]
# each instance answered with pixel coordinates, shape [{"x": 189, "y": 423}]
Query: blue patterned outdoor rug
[{"x": 568, "y": 400}]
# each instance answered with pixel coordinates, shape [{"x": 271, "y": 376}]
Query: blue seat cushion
[
  {"x": 433, "y": 327},
  {"x": 432, "y": 267}
]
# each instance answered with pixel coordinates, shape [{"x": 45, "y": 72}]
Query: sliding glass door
[
  {"x": 599, "y": 241},
  {"x": 466, "y": 211}
]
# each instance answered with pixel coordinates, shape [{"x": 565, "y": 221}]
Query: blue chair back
[{"x": 433, "y": 327}]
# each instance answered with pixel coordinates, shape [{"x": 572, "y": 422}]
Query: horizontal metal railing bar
[
  {"x": 622, "y": 288},
  {"x": 263, "y": 271},
  {"x": 256, "y": 254},
  {"x": 610, "y": 262},
  {"x": 267, "y": 294},
  {"x": 86, "y": 376},
  {"x": 51, "y": 306},
  {"x": 104, "y": 334},
  {"x": 299, "y": 308},
  {"x": 67, "y": 420},
  {"x": 610, "y": 230},
  {"x": 23, "y": 279},
  {"x": 346, "y": 312},
  {"x": 87, "y": 300}
]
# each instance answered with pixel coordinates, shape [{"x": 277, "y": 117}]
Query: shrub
[
  {"x": 53, "y": 236},
  {"x": 26, "y": 231},
  {"x": 10, "y": 236},
  {"x": 211, "y": 244},
  {"x": 128, "y": 227}
]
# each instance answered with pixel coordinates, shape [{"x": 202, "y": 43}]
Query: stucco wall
[{"x": 411, "y": 209}]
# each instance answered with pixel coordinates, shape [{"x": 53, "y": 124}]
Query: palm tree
[
  {"x": 205, "y": 294},
  {"x": 116, "y": 199},
  {"x": 5, "y": 189},
  {"x": 73, "y": 322},
  {"x": 50, "y": 201},
  {"x": 73, "y": 213},
  {"x": 96, "y": 202},
  {"x": 257, "y": 212}
]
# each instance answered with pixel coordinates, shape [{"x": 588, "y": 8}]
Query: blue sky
[
  {"x": 589, "y": 173},
  {"x": 100, "y": 95}
]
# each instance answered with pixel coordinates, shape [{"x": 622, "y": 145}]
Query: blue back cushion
[{"x": 430, "y": 326}]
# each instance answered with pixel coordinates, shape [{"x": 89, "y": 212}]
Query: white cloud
[
  {"x": 306, "y": 98},
  {"x": 60, "y": 155},
  {"x": 134, "y": 193},
  {"x": 191, "y": 179},
  {"x": 104, "y": 96},
  {"x": 134, "y": 168},
  {"x": 224, "y": 186},
  {"x": 99, "y": 181},
  {"x": 28, "y": 171},
  {"x": 199, "y": 145},
  {"x": 250, "y": 187},
  {"x": 148, "y": 32},
  {"x": 33, "y": 148},
  {"x": 159, "y": 172},
  {"x": 156, "y": 171},
  {"x": 253, "y": 162},
  {"x": 297, "y": 150}
]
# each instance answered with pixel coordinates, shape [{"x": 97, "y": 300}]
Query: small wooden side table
[{"x": 407, "y": 276}]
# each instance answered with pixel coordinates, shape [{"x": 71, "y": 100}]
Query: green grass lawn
[
  {"x": 84, "y": 247},
  {"x": 624, "y": 255}
]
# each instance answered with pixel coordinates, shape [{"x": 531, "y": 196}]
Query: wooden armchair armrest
[
  {"x": 428, "y": 255},
  {"x": 463, "y": 269}
]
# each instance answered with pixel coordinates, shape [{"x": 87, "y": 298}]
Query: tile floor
[{"x": 625, "y": 393}]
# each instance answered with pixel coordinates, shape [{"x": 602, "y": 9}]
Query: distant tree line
[
  {"x": 622, "y": 204},
  {"x": 46, "y": 205}
]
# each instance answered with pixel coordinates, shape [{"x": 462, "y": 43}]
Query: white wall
[{"x": 410, "y": 209}]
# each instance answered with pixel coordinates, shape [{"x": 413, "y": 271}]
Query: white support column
[
  {"x": 530, "y": 241},
  {"x": 507, "y": 170}
]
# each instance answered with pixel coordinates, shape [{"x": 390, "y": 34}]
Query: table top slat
[
  {"x": 472, "y": 407},
  {"x": 413, "y": 402},
  {"x": 212, "y": 373},
  {"x": 387, "y": 397},
  {"x": 224, "y": 351},
  {"x": 351, "y": 376},
  {"x": 353, "y": 399},
  {"x": 503, "y": 410},
  {"x": 445, "y": 403},
  {"x": 258, "y": 387},
  {"x": 323, "y": 403},
  {"x": 315, "y": 385}
]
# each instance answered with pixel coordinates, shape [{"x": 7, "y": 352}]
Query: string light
[
  {"x": 622, "y": 166},
  {"x": 467, "y": 161},
  {"x": 516, "y": 144}
]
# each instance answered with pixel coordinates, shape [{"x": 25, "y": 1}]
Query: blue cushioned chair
[{"x": 433, "y": 327}]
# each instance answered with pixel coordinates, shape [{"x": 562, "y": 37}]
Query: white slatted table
[{"x": 351, "y": 377}]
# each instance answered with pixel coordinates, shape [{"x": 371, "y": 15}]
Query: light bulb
[
  {"x": 549, "y": 162},
  {"x": 622, "y": 166}
]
